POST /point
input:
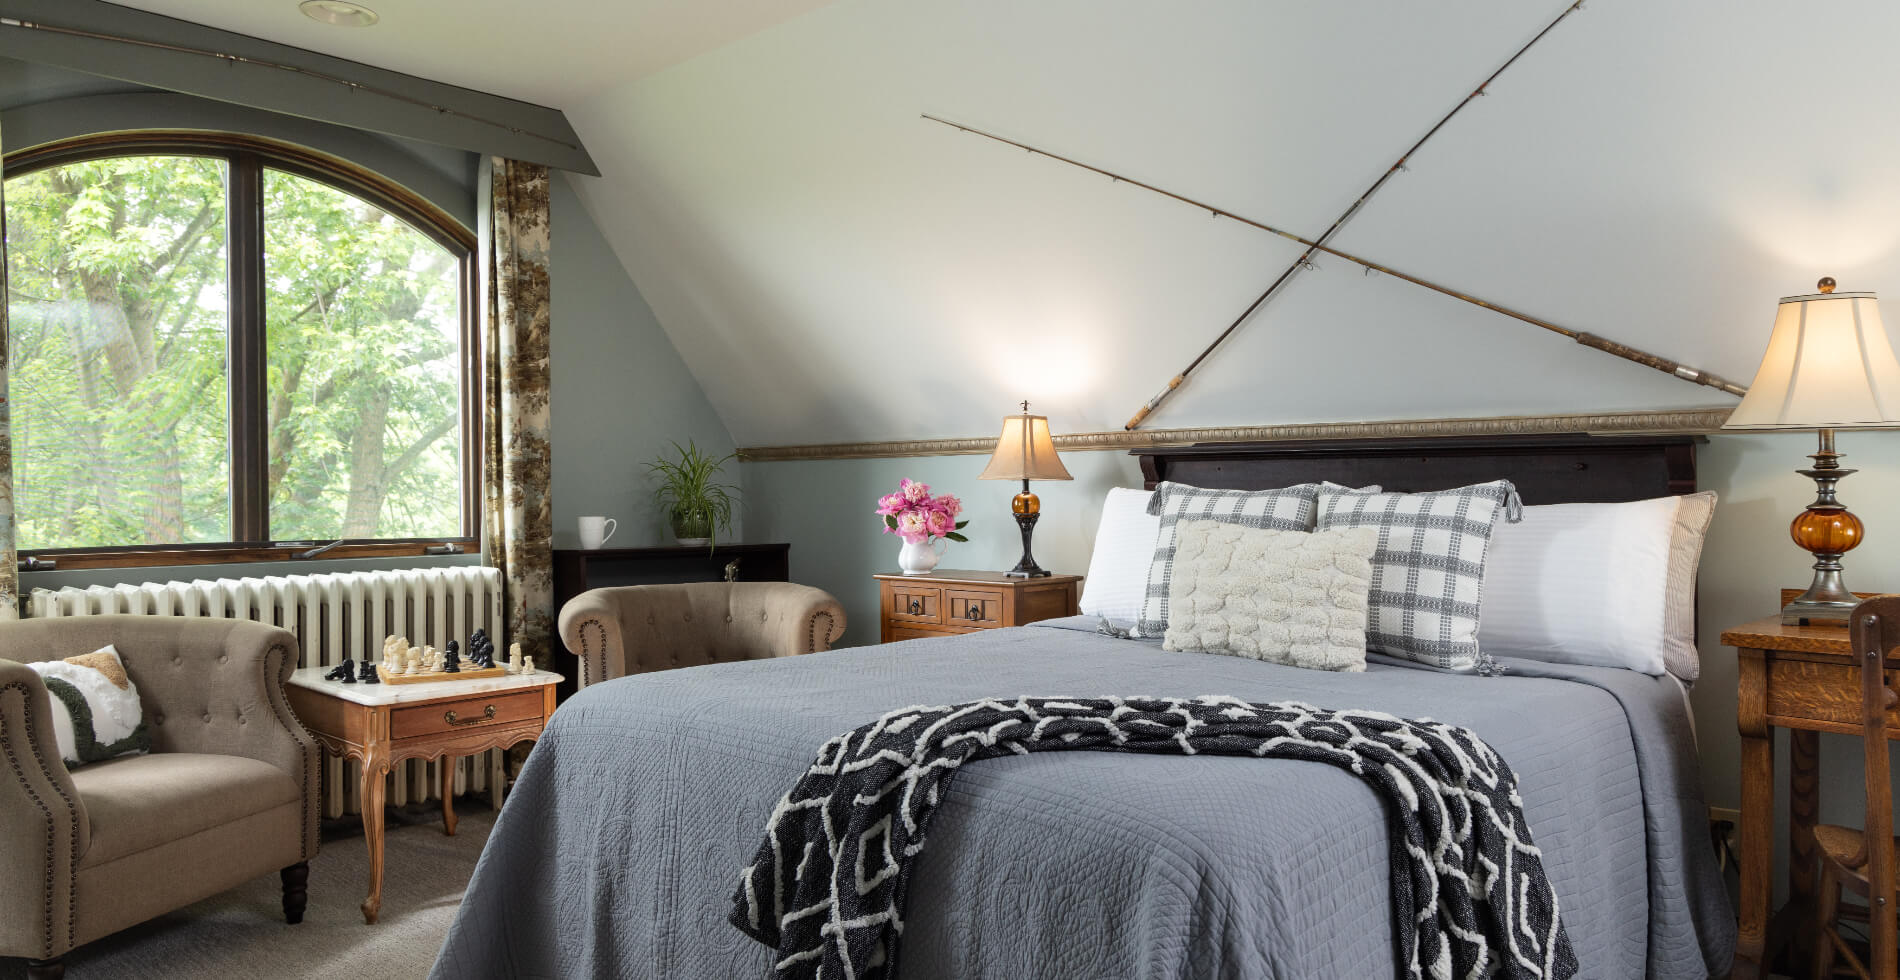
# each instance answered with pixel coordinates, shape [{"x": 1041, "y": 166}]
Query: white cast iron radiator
[{"x": 335, "y": 615}]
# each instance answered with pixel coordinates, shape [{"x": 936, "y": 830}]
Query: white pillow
[
  {"x": 1117, "y": 582},
  {"x": 1582, "y": 584}
]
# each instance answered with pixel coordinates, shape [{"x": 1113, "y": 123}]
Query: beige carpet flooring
[{"x": 241, "y": 933}]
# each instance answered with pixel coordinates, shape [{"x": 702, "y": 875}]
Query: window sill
[{"x": 234, "y": 554}]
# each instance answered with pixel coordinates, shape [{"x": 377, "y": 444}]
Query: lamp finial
[
  {"x": 1025, "y": 406},
  {"x": 1826, "y": 285}
]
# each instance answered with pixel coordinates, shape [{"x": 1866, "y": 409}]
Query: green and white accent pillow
[{"x": 96, "y": 713}]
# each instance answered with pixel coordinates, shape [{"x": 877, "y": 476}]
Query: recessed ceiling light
[{"x": 339, "y": 12}]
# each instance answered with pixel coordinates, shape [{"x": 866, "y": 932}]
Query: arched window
[{"x": 226, "y": 350}]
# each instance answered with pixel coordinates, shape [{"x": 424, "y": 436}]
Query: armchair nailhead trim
[
  {"x": 813, "y": 647},
  {"x": 278, "y": 657},
  {"x": 48, "y": 882},
  {"x": 587, "y": 648}
]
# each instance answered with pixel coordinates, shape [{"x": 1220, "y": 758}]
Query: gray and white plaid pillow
[
  {"x": 1428, "y": 573},
  {"x": 1286, "y": 509}
]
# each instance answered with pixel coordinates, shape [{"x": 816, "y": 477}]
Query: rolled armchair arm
[
  {"x": 45, "y": 824},
  {"x": 213, "y": 686},
  {"x": 590, "y": 627}
]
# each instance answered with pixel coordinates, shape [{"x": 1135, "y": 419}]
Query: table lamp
[
  {"x": 1829, "y": 366},
  {"x": 1025, "y": 452}
]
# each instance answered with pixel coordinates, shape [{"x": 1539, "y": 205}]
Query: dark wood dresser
[{"x": 948, "y": 602}]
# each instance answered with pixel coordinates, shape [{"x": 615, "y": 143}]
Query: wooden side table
[
  {"x": 948, "y": 602},
  {"x": 380, "y": 725},
  {"x": 1804, "y": 679}
]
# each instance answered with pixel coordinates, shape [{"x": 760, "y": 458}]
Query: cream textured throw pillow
[{"x": 1289, "y": 597}]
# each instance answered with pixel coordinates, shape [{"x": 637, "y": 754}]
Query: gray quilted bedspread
[{"x": 619, "y": 849}]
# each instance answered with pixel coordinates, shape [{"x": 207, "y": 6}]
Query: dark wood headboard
[{"x": 1547, "y": 469}]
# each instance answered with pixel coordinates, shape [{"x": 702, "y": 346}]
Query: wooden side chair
[{"x": 1864, "y": 861}]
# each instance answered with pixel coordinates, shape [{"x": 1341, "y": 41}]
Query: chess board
[{"x": 466, "y": 673}]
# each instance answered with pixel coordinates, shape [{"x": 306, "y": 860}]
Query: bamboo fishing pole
[{"x": 1319, "y": 245}]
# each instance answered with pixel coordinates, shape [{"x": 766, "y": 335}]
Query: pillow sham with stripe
[{"x": 1428, "y": 572}]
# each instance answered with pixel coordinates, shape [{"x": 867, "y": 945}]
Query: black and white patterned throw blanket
[{"x": 1469, "y": 896}]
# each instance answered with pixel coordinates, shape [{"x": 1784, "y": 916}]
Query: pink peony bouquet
[{"x": 914, "y": 515}]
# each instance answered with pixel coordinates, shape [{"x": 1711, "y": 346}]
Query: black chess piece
[
  {"x": 345, "y": 671},
  {"x": 338, "y": 672},
  {"x": 368, "y": 675},
  {"x": 481, "y": 650},
  {"x": 451, "y": 659}
]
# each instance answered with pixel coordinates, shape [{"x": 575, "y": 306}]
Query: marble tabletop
[{"x": 377, "y": 695}]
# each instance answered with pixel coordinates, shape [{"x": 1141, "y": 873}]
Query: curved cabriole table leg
[
  {"x": 375, "y": 768},
  {"x": 448, "y": 794}
]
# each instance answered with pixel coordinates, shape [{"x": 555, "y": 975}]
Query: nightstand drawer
[
  {"x": 967, "y": 607},
  {"x": 475, "y": 711},
  {"x": 915, "y": 604},
  {"x": 1824, "y": 694}
]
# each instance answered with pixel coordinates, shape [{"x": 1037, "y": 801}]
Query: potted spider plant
[{"x": 696, "y": 507}]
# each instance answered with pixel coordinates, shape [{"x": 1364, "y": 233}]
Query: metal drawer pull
[
  {"x": 976, "y": 611},
  {"x": 487, "y": 713},
  {"x": 914, "y": 610}
]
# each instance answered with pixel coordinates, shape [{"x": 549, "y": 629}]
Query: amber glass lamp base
[
  {"x": 1028, "y": 508},
  {"x": 1828, "y": 531}
]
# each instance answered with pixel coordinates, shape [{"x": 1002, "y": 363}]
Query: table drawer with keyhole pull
[
  {"x": 916, "y": 605},
  {"x": 970, "y": 608},
  {"x": 424, "y": 719}
]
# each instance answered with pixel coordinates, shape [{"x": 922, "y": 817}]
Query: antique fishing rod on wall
[{"x": 1318, "y": 245}]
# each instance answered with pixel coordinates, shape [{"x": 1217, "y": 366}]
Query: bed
[{"x": 621, "y": 844}]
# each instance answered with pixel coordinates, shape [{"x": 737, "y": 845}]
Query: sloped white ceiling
[{"x": 834, "y": 268}]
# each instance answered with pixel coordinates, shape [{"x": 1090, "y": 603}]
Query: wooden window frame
[{"x": 247, "y": 157}]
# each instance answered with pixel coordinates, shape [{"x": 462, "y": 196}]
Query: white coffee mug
[{"x": 596, "y": 530}]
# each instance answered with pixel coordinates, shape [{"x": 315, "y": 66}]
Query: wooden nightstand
[
  {"x": 949, "y": 602},
  {"x": 380, "y": 725},
  {"x": 1804, "y": 679}
]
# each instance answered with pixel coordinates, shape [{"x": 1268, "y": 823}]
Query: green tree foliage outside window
[{"x": 119, "y": 331}]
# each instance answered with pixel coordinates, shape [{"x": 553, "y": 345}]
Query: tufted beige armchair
[
  {"x": 637, "y": 628},
  {"x": 228, "y": 793}
]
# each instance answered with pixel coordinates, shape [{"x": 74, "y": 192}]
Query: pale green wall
[
  {"x": 825, "y": 509},
  {"x": 620, "y": 390}
]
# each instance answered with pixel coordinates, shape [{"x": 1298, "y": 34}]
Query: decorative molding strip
[{"x": 1694, "y": 420}]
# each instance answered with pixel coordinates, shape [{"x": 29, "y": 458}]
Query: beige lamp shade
[
  {"x": 1025, "y": 452},
  {"x": 1829, "y": 365}
]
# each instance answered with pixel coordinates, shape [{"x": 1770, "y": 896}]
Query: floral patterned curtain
[
  {"x": 9, "y": 554},
  {"x": 518, "y": 525}
]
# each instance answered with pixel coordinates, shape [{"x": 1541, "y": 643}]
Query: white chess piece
[
  {"x": 514, "y": 658},
  {"x": 527, "y": 665}
]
